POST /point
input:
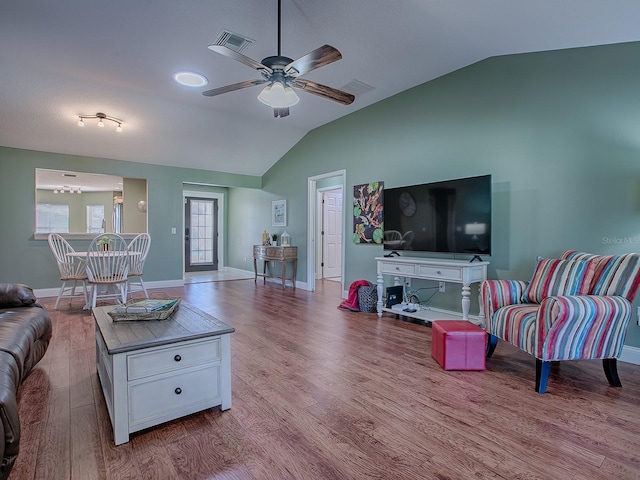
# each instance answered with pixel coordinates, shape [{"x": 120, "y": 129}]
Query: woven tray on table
[{"x": 146, "y": 309}]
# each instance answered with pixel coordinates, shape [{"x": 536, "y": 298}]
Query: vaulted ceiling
[{"x": 62, "y": 59}]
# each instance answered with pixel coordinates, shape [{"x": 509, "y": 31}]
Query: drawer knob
[
  {"x": 439, "y": 272},
  {"x": 178, "y": 391},
  {"x": 177, "y": 358},
  {"x": 397, "y": 268}
]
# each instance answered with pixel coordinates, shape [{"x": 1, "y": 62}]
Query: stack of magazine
[{"x": 145, "y": 309}]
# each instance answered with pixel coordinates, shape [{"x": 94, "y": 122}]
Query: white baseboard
[
  {"x": 48, "y": 292},
  {"x": 165, "y": 283},
  {"x": 53, "y": 292},
  {"x": 299, "y": 284},
  {"x": 630, "y": 355}
]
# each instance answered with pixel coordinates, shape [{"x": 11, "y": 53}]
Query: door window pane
[{"x": 201, "y": 237}]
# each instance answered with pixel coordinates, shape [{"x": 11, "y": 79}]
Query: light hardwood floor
[{"x": 319, "y": 393}]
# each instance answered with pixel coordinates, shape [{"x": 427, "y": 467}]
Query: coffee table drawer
[
  {"x": 167, "y": 359},
  {"x": 173, "y": 396}
]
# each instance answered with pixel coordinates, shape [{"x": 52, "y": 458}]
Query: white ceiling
[
  {"x": 62, "y": 58},
  {"x": 88, "y": 182}
]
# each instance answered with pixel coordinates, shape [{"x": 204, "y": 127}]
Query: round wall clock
[{"x": 407, "y": 204}]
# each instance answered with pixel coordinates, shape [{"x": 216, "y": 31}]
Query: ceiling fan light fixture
[
  {"x": 280, "y": 73},
  {"x": 264, "y": 95},
  {"x": 277, "y": 95}
]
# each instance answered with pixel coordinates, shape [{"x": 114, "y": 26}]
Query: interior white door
[{"x": 332, "y": 233}]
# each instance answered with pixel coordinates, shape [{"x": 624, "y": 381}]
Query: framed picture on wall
[
  {"x": 368, "y": 219},
  {"x": 279, "y": 213}
]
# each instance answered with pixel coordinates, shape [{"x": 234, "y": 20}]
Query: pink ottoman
[{"x": 458, "y": 345}]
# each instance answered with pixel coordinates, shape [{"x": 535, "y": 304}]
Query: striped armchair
[{"x": 575, "y": 307}]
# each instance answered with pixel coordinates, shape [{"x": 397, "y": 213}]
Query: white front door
[{"x": 332, "y": 233}]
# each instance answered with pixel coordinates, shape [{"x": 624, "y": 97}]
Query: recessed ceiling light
[{"x": 190, "y": 79}]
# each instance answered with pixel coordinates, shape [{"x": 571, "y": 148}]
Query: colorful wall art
[{"x": 367, "y": 213}]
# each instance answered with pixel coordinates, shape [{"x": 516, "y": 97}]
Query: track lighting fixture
[
  {"x": 67, "y": 189},
  {"x": 101, "y": 118}
]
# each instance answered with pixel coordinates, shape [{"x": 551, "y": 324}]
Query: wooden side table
[{"x": 273, "y": 253}]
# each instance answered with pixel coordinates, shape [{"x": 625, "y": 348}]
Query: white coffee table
[{"x": 153, "y": 371}]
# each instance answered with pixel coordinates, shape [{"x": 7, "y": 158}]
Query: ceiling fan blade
[
  {"x": 227, "y": 52},
  {"x": 232, "y": 87},
  {"x": 320, "y": 57},
  {"x": 323, "y": 91}
]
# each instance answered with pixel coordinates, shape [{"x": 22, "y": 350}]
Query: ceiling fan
[{"x": 281, "y": 74}]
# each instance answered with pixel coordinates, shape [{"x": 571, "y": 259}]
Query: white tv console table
[{"x": 443, "y": 270}]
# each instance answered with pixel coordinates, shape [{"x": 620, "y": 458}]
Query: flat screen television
[{"x": 452, "y": 216}]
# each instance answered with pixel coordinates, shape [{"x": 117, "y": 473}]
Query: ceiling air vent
[
  {"x": 357, "y": 88},
  {"x": 233, "y": 41}
]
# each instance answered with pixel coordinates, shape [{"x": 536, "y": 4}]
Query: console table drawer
[
  {"x": 173, "y": 395},
  {"x": 274, "y": 252},
  {"x": 440, "y": 273},
  {"x": 142, "y": 365},
  {"x": 398, "y": 269}
]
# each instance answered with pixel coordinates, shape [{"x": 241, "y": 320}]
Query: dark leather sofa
[{"x": 25, "y": 332}]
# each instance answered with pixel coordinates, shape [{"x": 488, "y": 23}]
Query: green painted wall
[
  {"x": 25, "y": 260},
  {"x": 78, "y": 206},
  {"x": 134, "y": 190},
  {"x": 329, "y": 183},
  {"x": 559, "y": 131},
  {"x": 249, "y": 216}
]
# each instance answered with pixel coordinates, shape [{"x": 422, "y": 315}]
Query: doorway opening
[
  {"x": 203, "y": 233},
  {"x": 316, "y": 185}
]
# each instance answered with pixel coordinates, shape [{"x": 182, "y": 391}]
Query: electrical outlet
[
  {"x": 407, "y": 283},
  {"x": 441, "y": 287}
]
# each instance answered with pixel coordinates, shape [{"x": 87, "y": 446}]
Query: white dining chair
[
  {"x": 138, "y": 250},
  {"x": 72, "y": 269},
  {"x": 108, "y": 268}
]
